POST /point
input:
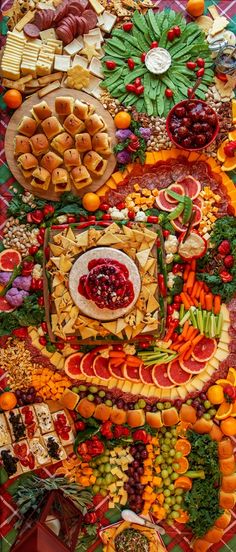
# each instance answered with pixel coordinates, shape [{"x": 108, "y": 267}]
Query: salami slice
[
  {"x": 61, "y": 12},
  {"x": 39, "y": 20},
  {"x": 80, "y": 26},
  {"x": 91, "y": 17},
  {"x": 82, "y": 3},
  {"x": 86, "y": 24},
  {"x": 64, "y": 33},
  {"x": 72, "y": 24},
  {"x": 76, "y": 10},
  {"x": 31, "y": 30}
]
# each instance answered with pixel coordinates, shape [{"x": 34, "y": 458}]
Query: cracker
[
  {"x": 49, "y": 88},
  {"x": 204, "y": 22},
  {"x": 219, "y": 25},
  {"x": 213, "y": 11},
  {"x": 29, "y": 16}
]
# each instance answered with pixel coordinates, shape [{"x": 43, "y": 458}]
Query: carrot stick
[
  {"x": 197, "y": 339},
  {"x": 202, "y": 298},
  {"x": 190, "y": 280},
  {"x": 188, "y": 354},
  {"x": 193, "y": 265},
  {"x": 185, "y": 329},
  {"x": 184, "y": 347},
  {"x": 186, "y": 272},
  {"x": 185, "y": 301},
  {"x": 195, "y": 287},
  {"x": 196, "y": 303},
  {"x": 190, "y": 333},
  {"x": 217, "y": 304},
  {"x": 189, "y": 299},
  {"x": 200, "y": 286},
  {"x": 117, "y": 354},
  {"x": 208, "y": 301}
]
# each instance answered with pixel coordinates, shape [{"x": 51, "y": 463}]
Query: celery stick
[
  {"x": 185, "y": 318},
  {"x": 181, "y": 311}
]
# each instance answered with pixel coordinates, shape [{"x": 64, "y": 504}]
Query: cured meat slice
[
  {"x": 191, "y": 186},
  {"x": 86, "y": 24},
  {"x": 72, "y": 24},
  {"x": 178, "y": 170},
  {"x": 82, "y": 3},
  {"x": 31, "y": 30},
  {"x": 91, "y": 17},
  {"x": 64, "y": 33},
  {"x": 61, "y": 12},
  {"x": 76, "y": 10},
  {"x": 39, "y": 20},
  {"x": 79, "y": 25}
]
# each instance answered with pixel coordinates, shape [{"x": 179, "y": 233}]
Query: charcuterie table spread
[{"x": 117, "y": 276}]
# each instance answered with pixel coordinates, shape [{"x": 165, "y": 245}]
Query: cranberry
[
  {"x": 200, "y": 139},
  {"x": 183, "y": 131},
  {"x": 180, "y": 111}
]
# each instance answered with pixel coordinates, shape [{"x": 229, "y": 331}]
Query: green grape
[
  {"x": 166, "y": 507},
  {"x": 169, "y": 469},
  {"x": 166, "y": 492},
  {"x": 101, "y": 394},
  {"x": 173, "y": 441},
  {"x": 163, "y": 429},
  {"x": 165, "y": 448},
  {"x": 159, "y": 459},
  {"x": 207, "y": 404},
  {"x": 96, "y": 473},
  {"x": 93, "y": 389},
  {"x": 160, "y": 406},
  {"x": 178, "y": 455},
  {"x": 167, "y": 404},
  {"x": 103, "y": 492},
  {"x": 189, "y": 402},
  {"x": 169, "y": 461},
  {"x": 174, "y": 515},
  {"x": 173, "y": 431},
  {"x": 165, "y": 455},
  {"x": 99, "y": 461},
  {"x": 164, "y": 474},
  {"x": 99, "y": 481},
  {"x": 207, "y": 416},
  {"x": 106, "y": 459},
  {"x": 107, "y": 468},
  {"x": 179, "y": 491},
  {"x": 168, "y": 500},
  {"x": 212, "y": 412},
  {"x": 75, "y": 389},
  {"x": 141, "y": 403},
  {"x": 82, "y": 388},
  {"x": 90, "y": 397},
  {"x": 168, "y": 434},
  {"x": 179, "y": 499},
  {"x": 172, "y": 453},
  {"x": 96, "y": 489},
  {"x": 174, "y": 476},
  {"x": 176, "y": 507},
  {"x": 166, "y": 482},
  {"x": 175, "y": 466},
  {"x": 171, "y": 487},
  {"x": 108, "y": 402},
  {"x": 102, "y": 468}
]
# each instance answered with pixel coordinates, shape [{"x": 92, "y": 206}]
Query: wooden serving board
[{"x": 24, "y": 110}]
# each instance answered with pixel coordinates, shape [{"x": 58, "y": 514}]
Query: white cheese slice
[
  {"x": 62, "y": 63},
  {"x": 80, "y": 60},
  {"x": 95, "y": 67},
  {"x": 98, "y": 8},
  {"x": 108, "y": 21},
  {"x": 74, "y": 47},
  {"x": 92, "y": 41},
  {"x": 48, "y": 33},
  {"x": 93, "y": 86}
]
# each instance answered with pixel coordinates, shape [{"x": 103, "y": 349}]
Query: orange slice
[
  {"x": 220, "y": 152},
  {"x": 183, "y": 517},
  {"x": 232, "y": 135},
  {"x": 229, "y": 164},
  {"x": 231, "y": 377},
  {"x": 183, "y": 465},
  {"x": 233, "y": 411},
  {"x": 184, "y": 446},
  {"x": 224, "y": 411},
  {"x": 222, "y": 382}
]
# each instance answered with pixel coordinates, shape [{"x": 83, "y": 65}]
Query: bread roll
[
  {"x": 27, "y": 126},
  {"x": 51, "y": 127},
  {"x": 62, "y": 142},
  {"x": 39, "y": 144},
  {"x": 60, "y": 179},
  {"x": 64, "y": 105},
  {"x": 83, "y": 142},
  {"x": 41, "y": 178},
  {"x": 102, "y": 143},
  {"x": 72, "y": 158},
  {"x": 95, "y": 123},
  {"x": 154, "y": 419},
  {"x": 170, "y": 416},
  {"x": 80, "y": 177},
  {"x": 27, "y": 161},
  {"x": 41, "y": 111},
  {"x": 135, "y": 418},
  {"x": 73, "y": 125},
  {"x": 95, "y": 163},
  {"x": 21, "y": 145},
  {"x": 51, "y": 161},
  {"x": 82, "y": 110}
]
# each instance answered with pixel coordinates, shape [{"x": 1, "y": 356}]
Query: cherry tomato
[
  {"x": 166, "y": 233},
  {"x": 171, "y": 35},
  {"x": 33, "y": 249},
  {"x": 71, "y": 218},
  {"x": 127, "y": 26},
  {"x": 44, "y": 327},
  {"x": 143, "y": 56},
  {"x": 200, "y": 72},
  {"x": 48, "y": 210},
  {"x": 200, "y": 62},
  {"x": 43, "y": 341},
  {"x": 80, "y": 425},
  {"x": 110, "y": 64},
  {"x": 131, "y": 215},
  {"x": 153, "y": 219},
  {"x": 154, "y": 44},
  {"x": 41, "y": 301},
  {"x": 131, "y": 63},
  {"x": 106, "y": 216},
  {"x": 169, "y": 93},
  {"x": 104, "y": 207}
]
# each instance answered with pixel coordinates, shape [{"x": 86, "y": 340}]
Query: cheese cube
[{"x": 61, "y": 63}]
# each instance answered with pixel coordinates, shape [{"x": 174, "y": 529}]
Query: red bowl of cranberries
[{"x": 192, "y": 125}]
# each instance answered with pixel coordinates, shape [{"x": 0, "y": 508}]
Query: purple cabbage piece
[
  {"x": 22, "y": 282},
  {"x": 15, "y": 297},
  {"x": 123, "y": 157},
  {"x": 5, "y": 277},
  {"x": 123, "y": 134},
  {"x": 145, "y": 132}
]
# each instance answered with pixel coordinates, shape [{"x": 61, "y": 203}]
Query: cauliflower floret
[
  {"x": 140, "y": 217},
  {"x": 170, "y": 280},
  {"x": 22, "y": 282},
  {"x": 15, "y": 297},
  {"x": 169, "y": 258},
  {"x": 37, "y": 271},
  {"x": 129, "y": 349},
  {"x": 175, "y": 315},
  {"x": 171, "y": 244},
  {"x": 61, "y": 219}
]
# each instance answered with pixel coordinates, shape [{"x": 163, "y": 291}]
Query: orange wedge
[
  {"x": 184, "y": 446},
  {"x": 222, "y": 382},
  {"x": 183, "y": 465},
  {"x": 183, "y": 517},
  {"x": 229, "y": 164},
  {"x": 232, "y": 135},
  {"x": 220, "y": 152},
  {"x": 231, "y": 376},
  {"x": 224, "y": 411},
  {"x": 233, "y": 411}
]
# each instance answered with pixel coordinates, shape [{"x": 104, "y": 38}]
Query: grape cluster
[
  {"x": 135, "y": 471},
  {"x": 167, "y": 460},
  {"x": 102, "y": 471},
  {"x": 27, "y": 396},
  {"x": 9, "y": 462},
  {"x": 202, "y": 406}
]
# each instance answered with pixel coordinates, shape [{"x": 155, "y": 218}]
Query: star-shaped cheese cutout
[{"x": 89, "y": 51}]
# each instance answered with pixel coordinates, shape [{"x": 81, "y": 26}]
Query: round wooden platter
[{"x": 25, "y": 108}]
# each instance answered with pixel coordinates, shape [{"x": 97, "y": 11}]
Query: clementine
[
  {"x": 8, "y": 400},
  {"x": 215, "y": 394},
  {"x": 13, "y": 98},
  {"x": 228, "y": 426},
  {"x": 91, "y": 201},
  {"x": 122, "y": 120},
  {"x": 215, "y": 433},
  {"x": 195, "y": 7},
  {"x": 227, "y": 465}
]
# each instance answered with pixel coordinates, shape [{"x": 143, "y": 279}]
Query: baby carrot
[
  {"x": 190, "y": 280},
  {"x": 185, "y": 347},
  {"x": 208, "y": 301},
  {"x": 186, "y": 272},
  {"x": 217, "y": 304},
  {"x": 193, "y": 265},
  {"x": 197, "y": 339},
  {"x": 185, "y": 329},
  {"x": 195, "y": 287},
  {"x": 202, "y": 298},
  {"x": 185, "y": 301}
]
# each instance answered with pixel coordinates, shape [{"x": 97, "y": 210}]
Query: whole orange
[
  {"x": 215, "y": 394},
  {"x": 122, "y": 120},
  {"x": 195, "y": 7},
  {"x": 228, "y": 426},
  {"x": 13, "y": 98},
  {"x": 91, "y": 201},
  {"x": 8, "y": 400}
]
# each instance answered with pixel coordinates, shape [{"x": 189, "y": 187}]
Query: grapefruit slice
[
  {"x": 72, "y": 365},
  {"x": 9, "y": 258},
  {"x": 164, "y": 203},
  {"x": 160, "y": 376},
  {"x": 131, "y": 373},
  {"x": 191, "y": 186},
  {"x": 5, "y": 306},
  {"x": 205, "y": 349},
  {"x": 176, "y": 374},
  {"x": 192, "y": 366},
  {"x": 145, "y": 374},
  {"x": 177, "y": 188},
  {"x": 101, "y": 368},
  {"x": 198, "y": 214},
  {"x": 116, "y": 370},
  {"x": 178, "y": 222},
  {"x": 86, "y": 365}
]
